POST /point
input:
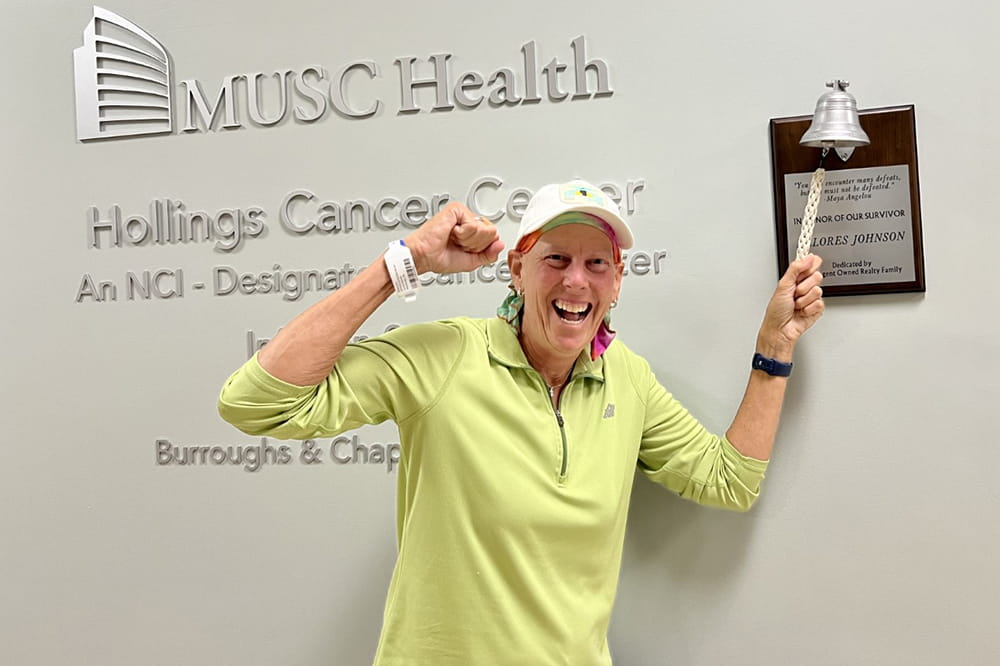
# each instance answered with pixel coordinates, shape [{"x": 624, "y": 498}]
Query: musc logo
[{"x": 123, "y": 84}]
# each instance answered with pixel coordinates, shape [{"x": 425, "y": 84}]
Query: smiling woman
[
  {"x": 519, "y": 434},
  {"x": 568, "y": 273},
  {"x": 568, "y": 292}
]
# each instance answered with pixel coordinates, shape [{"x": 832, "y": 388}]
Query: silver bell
[{"x": 835, "y": 123}]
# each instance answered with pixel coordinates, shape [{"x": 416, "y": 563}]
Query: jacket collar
[{"x": 503, "y": 347}]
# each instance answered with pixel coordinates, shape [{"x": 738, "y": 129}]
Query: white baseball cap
[{"x": 553, "y": 200}]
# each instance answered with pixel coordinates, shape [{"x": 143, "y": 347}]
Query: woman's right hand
[{"x": 453, "y": 241}]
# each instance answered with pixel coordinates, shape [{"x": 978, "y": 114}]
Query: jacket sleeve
[
  {"x": 683, "y": 456},
  {"x": 394, "y": 376}
]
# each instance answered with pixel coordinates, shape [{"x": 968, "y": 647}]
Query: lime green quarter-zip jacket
[{"x": 510, "y": 511}]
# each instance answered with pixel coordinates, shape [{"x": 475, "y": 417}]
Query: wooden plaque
[{"x": 868, "y": 227}]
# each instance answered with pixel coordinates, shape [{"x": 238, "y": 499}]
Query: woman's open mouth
[{"x": 572, "y": 313}]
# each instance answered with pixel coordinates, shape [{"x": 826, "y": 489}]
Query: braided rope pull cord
[{"x": 809, "y": 217}]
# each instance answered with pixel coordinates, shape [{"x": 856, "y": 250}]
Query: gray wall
[{"x": 874, "y": 541}]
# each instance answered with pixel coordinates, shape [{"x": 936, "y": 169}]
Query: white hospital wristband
[{"x": 402, "y": 270}]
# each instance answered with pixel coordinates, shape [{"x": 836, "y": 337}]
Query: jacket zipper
[{"x": 562, "y": 431}]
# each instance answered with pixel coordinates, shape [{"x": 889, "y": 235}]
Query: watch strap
[{"x": 771, "y": 366}]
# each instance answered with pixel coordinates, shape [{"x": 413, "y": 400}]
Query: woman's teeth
[{"x": 572, "y": 312}]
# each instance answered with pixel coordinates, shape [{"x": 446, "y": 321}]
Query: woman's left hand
[{"x": 797, "y": 303}]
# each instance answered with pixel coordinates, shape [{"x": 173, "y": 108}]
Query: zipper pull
[{"x": 559, "y": 418}]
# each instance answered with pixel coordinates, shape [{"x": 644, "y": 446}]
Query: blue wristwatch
[{"x": 771, "y": 366}]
